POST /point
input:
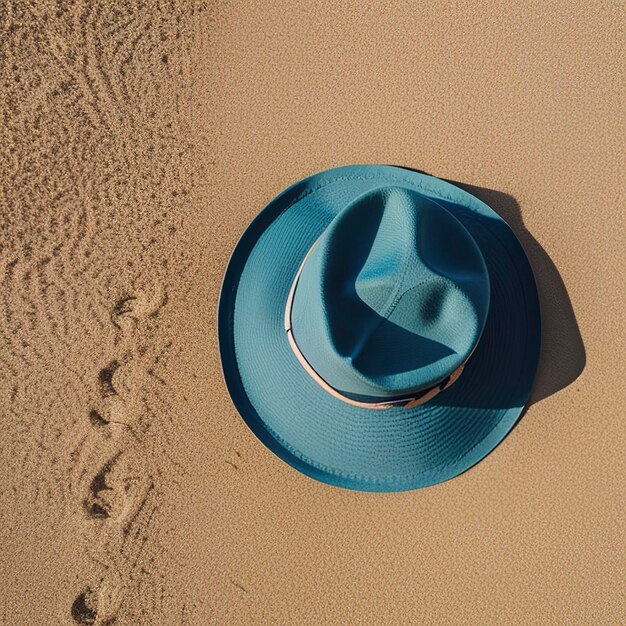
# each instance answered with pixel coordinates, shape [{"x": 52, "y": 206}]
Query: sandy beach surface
[{"x": 136, "y": 144}]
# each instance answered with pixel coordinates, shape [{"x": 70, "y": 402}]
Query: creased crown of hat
[{"x": 392, "y": 298}]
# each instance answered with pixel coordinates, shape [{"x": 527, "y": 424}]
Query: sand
[{"x": 135, "y": 146}]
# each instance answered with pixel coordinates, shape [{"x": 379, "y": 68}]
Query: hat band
[{"x": 404, "y": 402}]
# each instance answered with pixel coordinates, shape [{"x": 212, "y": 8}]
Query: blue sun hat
[{"x": 379, "y": 328}]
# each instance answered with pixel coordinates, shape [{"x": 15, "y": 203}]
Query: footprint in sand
[
  {"x": 121, "y": 377},
  {"x": 119, "y": 491},
  {"x": 105, "y": 378},
  {"x": 99, "y": 501},
  {"x": 97, "y": 605},
  {"x": 115, "y": 498},
  {"x": 85, "y": 607},
  {"x": 131, "y": 309}
]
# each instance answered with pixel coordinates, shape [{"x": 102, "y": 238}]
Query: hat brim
[{"x": 395, "y": 449}]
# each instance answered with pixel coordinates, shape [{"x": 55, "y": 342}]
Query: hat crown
[{"x": 392, "y": 298}]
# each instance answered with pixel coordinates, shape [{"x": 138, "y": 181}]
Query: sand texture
[{"x": 137, "y": 141}]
